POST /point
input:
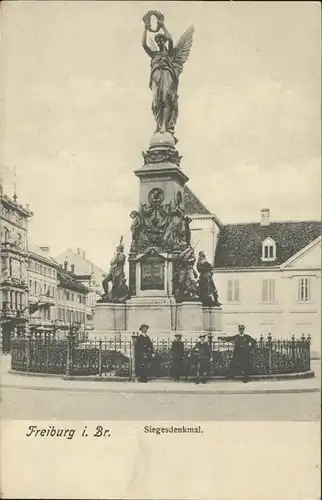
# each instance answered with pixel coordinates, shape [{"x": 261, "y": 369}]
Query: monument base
[
  {"x": 189, "y": 317},
  {"x": 158, "y": 312},
  {"x": 212, "y": 319},
  {"x": 162, "y": 314},
  {"x": 109, "y": 317}
]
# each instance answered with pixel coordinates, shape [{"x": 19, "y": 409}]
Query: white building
[
  {"x": 268, "y": 274},
  {"x": 204, "y": 226},
  {"x": 43, "y": 282},
  {"x": 87, "y": 274},
  {"x": 83, "y": 266},
  {"x": 71, "y": 300},
  {"x": 13, "y": 267}
]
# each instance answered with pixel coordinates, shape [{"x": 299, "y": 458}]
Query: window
[
  {"x": 268, "y": 250},
  {"x": 6, "y": 234},
  {"x": 268, "y": 290},
  {"x": 19, "y": 240},
  {"x": 45, "y": 270},
  {"x": 304, "y": 289},
  {"x": 233, "y": 291},
  {"x": 67, "y": 295}
]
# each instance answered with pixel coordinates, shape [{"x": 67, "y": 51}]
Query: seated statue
[{"x": 207, "y": 289}]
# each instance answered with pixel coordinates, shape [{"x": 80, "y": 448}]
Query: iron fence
[{"x": 115, "y": 357}]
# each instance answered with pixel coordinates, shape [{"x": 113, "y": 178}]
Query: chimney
[
  {"x": 72, "y": 268},
  {"x": 65, "y": 265},
  {"x": 78, "y": 251},
  {"x": 45, "y": 249},
  {"x": 264, "y": 217},
  {"x": 84, "y": 254}
]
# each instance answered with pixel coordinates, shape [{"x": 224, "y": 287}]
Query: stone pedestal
[
  {"x": 189, "y": 317},
  {"x": 212, "y": 319},
  {"x": 109, "y": 317},
  {"x": 158, "y": 312}
]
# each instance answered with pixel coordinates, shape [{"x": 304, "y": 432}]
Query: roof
[
  {"x": 66, "y": 280},
  {"x": 239, "y": 245},
  {"x": 192, "y": 204},
  {"x": 36, "y": 252},
  {"x": 70, "y": 256},
  {"x": 12, "y": 203}
]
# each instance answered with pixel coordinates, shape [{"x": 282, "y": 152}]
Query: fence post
[
  {"x": 210, "y": 336},
  {"x": 70, "y": 346},
  {"x": 100, "y": 357},
  {"x": 309, "y": 350},
  {"x": 132, "y": 365},
  {"x": 269, "y": 353},
  {"x": 28, "y": 348},
  {"x": 293, "y": 347},
  {"x": 47, "y": 353}
]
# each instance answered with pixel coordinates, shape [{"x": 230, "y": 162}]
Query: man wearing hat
[
  {"x": 241, "y": 360},
  {"x": 177, "y": 357},
  {"x": 204, "y": 356},
  {"x": 144, "y": 353}
]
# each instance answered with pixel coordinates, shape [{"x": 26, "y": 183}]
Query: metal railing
[{"x": 115, "y": 357}]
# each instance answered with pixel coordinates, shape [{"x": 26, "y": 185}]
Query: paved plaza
[{"x": 33, "y": 397}]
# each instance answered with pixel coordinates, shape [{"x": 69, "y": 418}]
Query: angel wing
[{"x": 182, "y": 50}]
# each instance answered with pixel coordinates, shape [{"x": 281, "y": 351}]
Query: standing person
[
  {"x": 203, "y": 352},
  {"x": 144, "y": 353},
  {"x": 177, "y": 357},
  {"x": 241, "y": 360}
]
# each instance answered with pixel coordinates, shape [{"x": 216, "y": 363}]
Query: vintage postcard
[{"x": 160, "y": 289}]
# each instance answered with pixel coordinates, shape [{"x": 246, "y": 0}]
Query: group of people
[{"x": 240, "y": 364}]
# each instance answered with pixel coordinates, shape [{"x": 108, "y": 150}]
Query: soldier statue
[
  {"x": 185, "y": 286},
  {"x": 207, "y": 288},
  {"x": 116, "y": 276}
]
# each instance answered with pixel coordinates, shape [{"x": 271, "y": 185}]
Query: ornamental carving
[
  {"x": 156, "y": 196},
  {"x": 161, "y": 156},
  {"x": 161, "y": 225}
]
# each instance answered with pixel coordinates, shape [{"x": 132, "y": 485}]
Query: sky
[{"x": 76, "y": 113}]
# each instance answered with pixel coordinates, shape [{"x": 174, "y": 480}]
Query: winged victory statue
[{"x": 167, "y": 63}]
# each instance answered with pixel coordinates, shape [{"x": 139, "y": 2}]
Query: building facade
[
  {"x": 86, "y": 273},
  {"x": 14, "y": 268},
  {"x": 72, "y": 302},
  {"x": 43, "y": 283},
  {"x": 268, "y": 274}
]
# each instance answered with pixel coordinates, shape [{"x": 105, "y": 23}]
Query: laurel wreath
[{"x": 147, "y": 20}]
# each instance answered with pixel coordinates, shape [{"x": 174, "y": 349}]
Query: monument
[{"x": 164, "y": 288}]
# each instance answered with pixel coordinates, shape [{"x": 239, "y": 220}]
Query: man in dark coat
[
  {"x": 241, "y": 360},
  {"x": 203, "y": 353},
  {"x": 177, "y": 357},
  {"x": 144, "y": 353}
]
